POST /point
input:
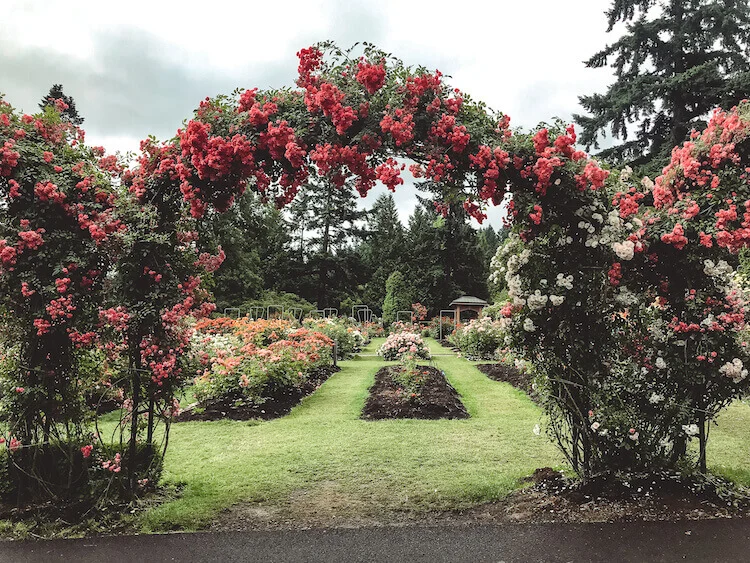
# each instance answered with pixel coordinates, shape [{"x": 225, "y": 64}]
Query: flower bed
[
  {"x": 255, "y": 368},
  {"x": 436, "y": 398},
  {"x": 402, "y": 343}
]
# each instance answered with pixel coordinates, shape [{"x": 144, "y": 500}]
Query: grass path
[{"x": 323, "y": 447}]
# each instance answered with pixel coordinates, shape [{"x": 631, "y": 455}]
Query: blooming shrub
[
  {"x": 253, "y": 360},
  {"x": 403, "y": 343},
  {"x": 635, "y": 304},
  {"x": 403, "y": 326},
  {"x": 347, "y": 335},
  {"x": 481, "y": 339}
]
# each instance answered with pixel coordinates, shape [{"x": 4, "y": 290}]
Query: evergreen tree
[
  {"x": 56, "y": 93},
  {"x": 677, "y": 61},
  {"x": 328, "y": 223},
  {"x": 241, "y": 232},
  {"x": 397, "y": 297},
  {"x": 384, "y": 250},
  {"x": 444, "y": 257}
]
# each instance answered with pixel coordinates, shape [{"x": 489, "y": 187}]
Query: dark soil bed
[
  {"x": 438, "y": 398},
  {"x": 509, "y": 374},
  {"x": 555, "y": 498},
  {"x": 239, "y": 408}
]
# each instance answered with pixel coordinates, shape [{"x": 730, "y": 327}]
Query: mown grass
[{"x": 382, "y": 465}]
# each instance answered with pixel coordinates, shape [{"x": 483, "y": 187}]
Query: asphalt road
[{"x": 708, "y": 540}]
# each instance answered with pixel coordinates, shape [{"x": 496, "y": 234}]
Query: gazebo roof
[{"x": 469, "y": 300}]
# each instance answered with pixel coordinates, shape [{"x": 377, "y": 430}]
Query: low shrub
[
  {"x": 399, "y": 344},
  {"x": 409, "y": 377},
  {"x": 480, "y": 339},
  {"x": 347, "y": 335}
]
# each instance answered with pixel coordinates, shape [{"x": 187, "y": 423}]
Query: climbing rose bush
[
  {"x": 629, "y": 309},
  {"x": 57, "y": 225}
]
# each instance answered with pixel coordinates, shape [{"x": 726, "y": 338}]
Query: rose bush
[
  {"x": 480, "y": 339},
  {"x": 400, "y": 344}
]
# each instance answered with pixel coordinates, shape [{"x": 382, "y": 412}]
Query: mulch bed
[
  {"x": 509, "y": 374},
  {"x": 555, "y": 498},
  {"x": 239, "y": 408},
  {"x": 438, "y": 398}
]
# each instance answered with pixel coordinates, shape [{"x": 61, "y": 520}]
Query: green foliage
[
  {"x": 384, "y": 249},
  {"x": 398, "y": 297},
  {"x": 443, "y": 260}
]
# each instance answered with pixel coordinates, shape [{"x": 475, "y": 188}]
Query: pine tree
[
  {"x": 443, "y": 257},
  {"x": 384, "y": 251},
  {"x": 677, "y": 61},
  {"x": 70, "y": 114},
  {"x": 330, "y": 216}
]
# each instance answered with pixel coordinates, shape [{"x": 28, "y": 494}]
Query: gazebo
[{"x": 467, "y": 303}]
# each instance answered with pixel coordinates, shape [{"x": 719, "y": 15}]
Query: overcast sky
[{"x": 140, "y": 67}]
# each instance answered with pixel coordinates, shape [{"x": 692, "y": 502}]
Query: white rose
[
  {"x": 557, "y": 299},
  {"x": 624, "y": 250}
]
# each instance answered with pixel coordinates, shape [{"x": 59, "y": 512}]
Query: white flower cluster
[
  {"x": 660, "y": 363},
  {"x": 734, "y": 369},
  {"x": 565, "y": 281},
  {"x": 625, "y": 297},
  {"x": 605, "y": 228},
  {"x": 655, "y": 398},
  {"x": 528, "y": 325},
  {"x": 721, "y": 270},
  {"x": 537, "y": 301},
  {"x": 690, "y": 429}
]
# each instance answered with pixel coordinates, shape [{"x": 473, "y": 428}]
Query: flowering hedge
[
  {"x": 255, "y": 359},
  {"x": 401, "y": 344}
]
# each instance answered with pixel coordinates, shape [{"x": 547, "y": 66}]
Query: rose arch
[{"x": 623, "y": 294}]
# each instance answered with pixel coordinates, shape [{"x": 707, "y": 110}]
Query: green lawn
[
  {"x": 372, "y": 467},
  {"x": 322, "y": 445}
]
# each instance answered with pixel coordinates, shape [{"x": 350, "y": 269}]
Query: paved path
[{"x": 717, "y": 540}]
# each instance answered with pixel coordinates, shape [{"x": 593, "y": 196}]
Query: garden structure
[
  {"x": 467, "y": 303},
  {"x": 623, "y": 294}
]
